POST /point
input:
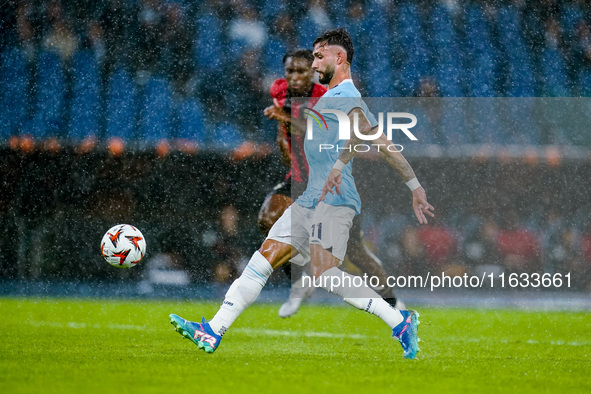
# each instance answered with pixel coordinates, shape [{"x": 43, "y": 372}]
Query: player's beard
[{"x": 326, "y": 76}]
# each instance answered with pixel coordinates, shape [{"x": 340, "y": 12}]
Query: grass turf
[{"x": 128, "y": 346}]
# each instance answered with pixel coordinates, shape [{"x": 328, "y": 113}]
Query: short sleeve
[
  {"x": 348, "y": 104},
  {"x": 345, "y": 104}
]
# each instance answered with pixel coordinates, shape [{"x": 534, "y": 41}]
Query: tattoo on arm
[
  {"x": 395, "y": 159},
  {"x": 399, "y": 163}
]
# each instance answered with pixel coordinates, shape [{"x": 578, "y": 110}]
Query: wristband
[
  {"x": 339, "y": 165},
  {"x": 413, "y": 184}
]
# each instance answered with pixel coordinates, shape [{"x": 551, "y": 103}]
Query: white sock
[
  {"x": 243, "y": 292},
  {"x": 361, "y": 297}
]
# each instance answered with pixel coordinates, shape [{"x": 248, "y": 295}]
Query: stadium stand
[
  {"x": 191, "y": 118},
  {"x": 469, "y": 48},
  {"x": 144, "y": 71},
  {"x": 50, "y": 97},
  {"x": 85, "y": 102},
  {"x": 14, "y": 79},
  {"x": 121, "y": 105}
]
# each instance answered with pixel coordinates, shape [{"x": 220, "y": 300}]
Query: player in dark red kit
[{"x": 299, "y": 82}]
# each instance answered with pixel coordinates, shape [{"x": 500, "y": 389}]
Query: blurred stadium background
[{"x": 150, "y": 112}]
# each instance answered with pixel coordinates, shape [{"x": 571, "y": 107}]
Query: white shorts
[{"x": 326, "y": 225}]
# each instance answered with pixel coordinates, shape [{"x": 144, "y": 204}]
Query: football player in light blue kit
[
  {"x": 316, "y": 227},
  {"x": 322, "y": 148}
]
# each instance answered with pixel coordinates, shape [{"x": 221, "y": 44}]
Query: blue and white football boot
[
  {"x": 200, "y": 334},
  {"x": 406, "y": 333}
]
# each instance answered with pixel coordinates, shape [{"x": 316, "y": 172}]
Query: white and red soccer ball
[{"x": 123, "y": 246}]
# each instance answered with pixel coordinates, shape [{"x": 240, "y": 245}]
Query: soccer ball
[{"x": 123, "y": 246}]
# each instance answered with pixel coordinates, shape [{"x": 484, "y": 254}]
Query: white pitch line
[
  {"x": 247, "y": 331},
  {"x": 300, "y": 334},
  {"x": 507, "y": 341},
  {"x": 81, "y": 325},
  {"x": 293, "y": 333}
]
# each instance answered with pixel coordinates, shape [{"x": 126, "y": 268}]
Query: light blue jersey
[{"x": 344, "y": 97}]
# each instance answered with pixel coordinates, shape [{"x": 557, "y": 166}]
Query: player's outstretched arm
[
  {"x": 276, "y": 111},
  {"x": 421, "y": 206},
  {"x": 393, "y": 157}
]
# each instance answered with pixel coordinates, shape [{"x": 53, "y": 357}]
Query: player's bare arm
[
  {"x": 397, "y": 161},
  {"x": 276, "y": 112},
  {"x": 393, "y": 157}
]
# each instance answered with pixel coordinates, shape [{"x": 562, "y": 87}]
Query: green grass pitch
[{"x": 129, "y": 346}]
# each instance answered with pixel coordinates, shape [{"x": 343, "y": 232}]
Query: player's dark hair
[
  {"x": 305, "y": 54},
  {"x": 339, "y": 37}
]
